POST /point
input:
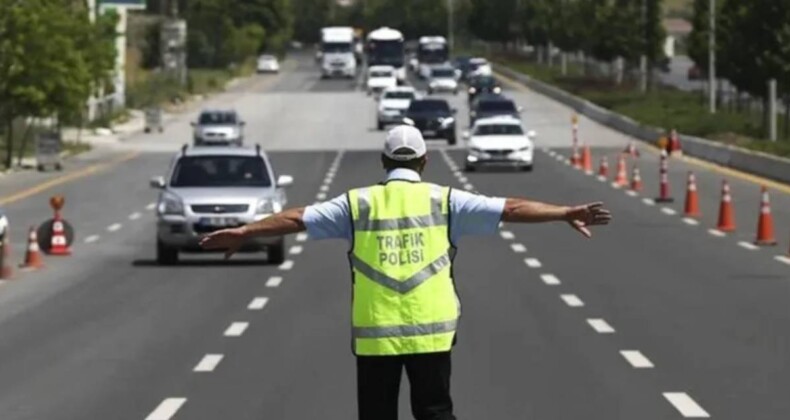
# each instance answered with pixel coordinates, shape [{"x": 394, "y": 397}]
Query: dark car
[
  {"x": 492, "y": 106},
  {"x": 482, "y": 84},
  {"x": 433, "y": 117}
]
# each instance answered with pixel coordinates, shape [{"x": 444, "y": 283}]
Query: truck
[
  {"x": 431, "y": 51},
  {"x": 337, "y": 52},
  {"x": 384, "y": 47}
]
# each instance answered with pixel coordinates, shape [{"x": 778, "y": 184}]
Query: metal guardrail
[{"x": 762, "y": 164}]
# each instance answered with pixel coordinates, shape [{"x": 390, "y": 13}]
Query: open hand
[
  {"x": 581, "y": 217},
  {"x": 228, "y": 239}
]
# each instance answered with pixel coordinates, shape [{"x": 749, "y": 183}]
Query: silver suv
[
  {"x": 218, "y": 127},
  {"x": 211, "y": 188}
]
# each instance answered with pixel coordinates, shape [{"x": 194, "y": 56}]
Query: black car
[
  {"x": 492, "y": 106},
  {"x": 482, "y": 84},
  {"x": 433, "y": 117}
]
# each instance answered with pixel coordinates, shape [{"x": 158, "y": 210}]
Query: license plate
[{"x": 218, "y": 221}]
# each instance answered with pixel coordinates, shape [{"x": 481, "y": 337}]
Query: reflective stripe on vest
[
  {"x": 406, "y": 330},
  {"x": 364, "y": 223}
]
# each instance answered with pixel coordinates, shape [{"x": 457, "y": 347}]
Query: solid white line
[
  {"x": 690, "y": 221},
  {"x": 669, "y": 211},
  {"x": 637, "y": 359},
  {"x": 600, "y": 326},
  {"x": 506, "y": 234},
  {"x": 166, "y": 409},
  {"x": 463, "y": 180},
  {"x": 632, "y": 193},
  {"x": 296, "y": 249},
  {"x": 258, "y": 303},
  {"x": 782, "y": 259},
  {"x": 114, "y": 227},
  {"x": 301, "y": 237},
  {"x": 92, "y": 238},
  {"x": 150, "y": 206},
  {"x": 274, "y": 281},
  {"x": 550, "y": 279},
  {"x": 747, "y": 245},
  {"x": 469, "y": 187},
  {"x": 532, "y": 262},
  {"x": 236, "y": 329},
  {"x": 324, "y": 188},
  {"x": 687, "y": 407},
  {"x": 519, "y": 248},
  {"x": 208, "y": 363},
  {"x": 320, "y": 196},
  {"x": 572, "y": 300},
  {"x": 286, "y": 265},
  {"x": 649, "y": 201},
  {"x": 134, "y": 216},
  {"x": 716, "y": 232}
]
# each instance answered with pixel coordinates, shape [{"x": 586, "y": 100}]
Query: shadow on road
[{"x": 201, "y": 263}]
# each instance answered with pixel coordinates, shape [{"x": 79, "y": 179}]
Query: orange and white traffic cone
[
  {"x": 726, "y": 212},
  {"x": 576, "y": 160},
  {"x": 59, "y": 245},
  {"x": 620, "y": 179},
  {"x": 6, "y": 272},
  {"x": 674, "y": 143},
  {"x": 587, "y": 164},
  {"x": 636, "y": 179},
  {"x": 692, "y": 199},
  {"x": 33, "y": 255},
  {"x": 631, "y": 150},
  {"x": 765, "y": 223},
  {"x": 603, "y": 170},
  {"x": 663, "y": 195}
]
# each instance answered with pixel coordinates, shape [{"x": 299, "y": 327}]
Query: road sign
[{"x": 48, "y": 148}]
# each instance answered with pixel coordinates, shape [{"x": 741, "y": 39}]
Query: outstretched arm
[
  {"x": 518, "y": 210},
  {"x": 283, "y": 223}
]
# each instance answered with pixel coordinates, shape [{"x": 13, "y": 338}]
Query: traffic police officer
[{"x": 403, "y": 234}]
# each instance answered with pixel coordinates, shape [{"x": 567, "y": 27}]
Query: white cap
[{"x": 404, "y": 142}]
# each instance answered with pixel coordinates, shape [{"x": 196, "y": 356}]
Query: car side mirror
[
  {"x": 157, "y": 182},
  {"x": 532, "y": 134},
  {"x": 466, "y": 135},
  {"x": 454, "y": 111},
  {"x": 284, "y": 181},
  {"x": 408, "y": 121}
]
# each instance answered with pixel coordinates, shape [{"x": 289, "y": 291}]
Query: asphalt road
[{"x": 654, "y": 318}]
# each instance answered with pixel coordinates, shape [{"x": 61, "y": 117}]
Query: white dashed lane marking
[
  {"x": 114, "y": 227},
  {"x": 632, "y": 193},
  {"x": 691, "y": 222},
  {"x": 748, "y": 245},
  {"x": 572, "y": 301},
  {"x": 134, "y": 216},
  {"x": 519, "y": 248},
  {"x": 716, "y": 232},
  {"x": 236, "y": 329},
  {"x": 258, "y": 303},
  {"x": 166, "y": 409},
  {"x": 150, "y": 206},
  {"x": 783, "y": 259},
  {"x": 296, "y": 250},
  {"x": 637, "y": 359},
  {"x": 208, "y": 363},
  {"x": 320, "y": 196},
  {"x": 649, "y": 201},
  {"x": 463, "y": 179},
  {"x": 506, "y": 234},
  {"x": 324, "y": 188},
  {"x": 687, "y": 407},
  {"x": 600, "y": 326},
  {"x": 532, "y": 262},
  {"x": 668, "y": 211},
  {"x": 92, "y": 238},
  {"x": 469, "y": 187},
  {"x": 550, "y": 279},
  {"x": 286, "y": 265},
  {"x": 274, "y": 281},
  {"x": 301, "y": 237},
  {"x": 602, "y": 178}
]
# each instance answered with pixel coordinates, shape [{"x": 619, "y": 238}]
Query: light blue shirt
[{"x": 470, "y": 214}]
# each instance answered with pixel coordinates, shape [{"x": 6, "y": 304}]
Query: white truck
[
  {"x": 431, "y": 51},
  {"x": 385, "y": 48},
  {"x": 337, "y": 52}
]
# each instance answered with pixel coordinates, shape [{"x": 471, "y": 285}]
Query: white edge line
[{"x": 166, "y": 409}]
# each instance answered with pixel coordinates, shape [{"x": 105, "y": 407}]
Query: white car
[
  {"x": 268, "y": 64},
  {"x": 393, "y": 104},
  {"x": 500, "y": 141},
  {"x": 380, "y": 78},
  {"x": 443, "y": 79},
  {"x": 479, "y": 67}
]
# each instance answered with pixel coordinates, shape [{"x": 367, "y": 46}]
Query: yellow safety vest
[{"x": 404, "y": 299}]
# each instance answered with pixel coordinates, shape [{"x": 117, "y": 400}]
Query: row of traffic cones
[{"x": 33, "y": 259}]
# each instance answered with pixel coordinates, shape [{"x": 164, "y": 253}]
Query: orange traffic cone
[
  {"x": 59, "y": 245},
  {"x": 6, "y": 272},
  {"x": 765, "y": 223},
  {"x": 726, "y": 213},
  {"x": 674, "y": 143},
  {"x": 576, "y": 160},
  {"x": 692, "y": 199},
  {"x": 33, "y": 255},
  {"x": 587, "y": 160},
  {"x": 636, "y": 180},
  {"x": 631, "y": 150},
  {"x": 663, "y": 195},
  {"x": 603, "y": 170},
  {"x": 621, "y": 177}
]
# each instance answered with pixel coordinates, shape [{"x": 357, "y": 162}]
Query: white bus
[
  {"x": 385, "y": 48},
  {"x": 431, "y": 51},
  {"x": 337, "y": 52}
]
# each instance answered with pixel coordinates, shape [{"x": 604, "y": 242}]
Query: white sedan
[
  {"x": 500, "y": 141},
  {"x": 380, "y": 78},
  {"x": 393, "y": 104},
  {"x": 268, "y": 64}
]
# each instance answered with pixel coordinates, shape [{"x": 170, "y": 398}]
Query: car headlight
[
  {"x": 523, "y": 149},
  {"x": 497, "y": 90},
  {"x": 171, "y": 204},
  {"x": 268, "y": 206},
  {"x": 446, "y": 122},
  {"x": 472, "y": 91}
]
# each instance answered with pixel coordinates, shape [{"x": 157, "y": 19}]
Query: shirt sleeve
[
  {"x": 328, "y": 220},
  {"x": 474, "y": 214}
]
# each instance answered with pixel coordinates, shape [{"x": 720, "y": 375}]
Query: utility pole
[
  {"x": 450, "y": 29},
  {"x": 643, "y": 58},
  {"x": 712, "y": 56}
]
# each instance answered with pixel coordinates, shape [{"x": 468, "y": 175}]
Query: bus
[
  {"x": 431, "y": 51},
  {"x": 385, "y": 48}
]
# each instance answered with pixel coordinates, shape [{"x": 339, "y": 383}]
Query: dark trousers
[{"x": 378, "y": 385}]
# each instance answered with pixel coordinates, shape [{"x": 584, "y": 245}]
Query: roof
[
  {"x": 381, "y": 68},
  {"x": 385, "y": 34},
  {"x": 499, "y": 119},
  {"x": 432, "y": 39},
  {"x": 221, "y": 151}
]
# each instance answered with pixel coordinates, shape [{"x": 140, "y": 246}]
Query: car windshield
[
  {"x": 380, "y": 73},
  {"x": 220, "y": 171},
  {"x": 336, "y": 47},
  {"x": 430, "y": 106},
  {"x": 217, "y": 118},
  {"x": 442, "y": 73},
  {"x": 498, "y": 129},
  {"x": 399, "y": 95},
  {"x": 488, "y": 106},
  {"x": 266, "y": 58}
]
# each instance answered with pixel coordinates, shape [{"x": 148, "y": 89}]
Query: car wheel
[
  {"x": 527, "y": 168},
  {"x": 276, "y": 253},
  {"x": 469, "y": 168},
  {"x": 166, "y": 255},
  {"x": 380, "y": 125},
  {"x": 451, "y": 140}
]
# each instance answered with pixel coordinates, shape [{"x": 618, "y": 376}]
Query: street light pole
[
  {"x": 643, "y": 58},
  {"x": 450, "y": 31},
  {"x": 712, "y": 56}
]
